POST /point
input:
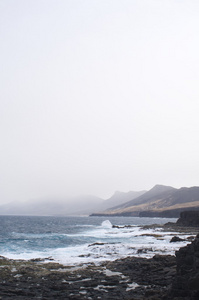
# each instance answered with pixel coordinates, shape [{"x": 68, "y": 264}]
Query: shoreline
[
  {"x": 125, "y": 278},
  {"x": 98, "y": 252}
]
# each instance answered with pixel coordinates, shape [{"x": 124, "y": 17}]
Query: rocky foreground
[
  {"x": 129, "y": 278},
  {"x": 161, "y": 277}
]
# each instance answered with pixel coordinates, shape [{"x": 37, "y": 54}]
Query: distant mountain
[
  {"x": 81, "y": 205},
  {"x": 119, "y": 198},
  {"x": 160, "y": 201},
  {"x": 150, "y": 195}
]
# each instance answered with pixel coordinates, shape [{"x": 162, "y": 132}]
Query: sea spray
[
  {"x": 106, "y": 224},
  {"x": 74, "y": 240}
]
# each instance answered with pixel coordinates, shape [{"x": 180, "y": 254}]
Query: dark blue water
[
  {"x": 28, "y": 235},
  {"x": 39, "y": 225}
]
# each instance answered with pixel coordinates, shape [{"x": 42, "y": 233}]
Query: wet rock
[
  {"x": 124, "y": 226},
  {"x": 97, "y": 244},
  {"x": 141, "y": 251},
  {"x": 176, "y": 239},
  {"x": 157, "y": 272}
]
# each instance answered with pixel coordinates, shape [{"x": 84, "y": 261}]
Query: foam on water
[
  {"x": 99, "y": 251},
  {"x": 88, "y": 243}
]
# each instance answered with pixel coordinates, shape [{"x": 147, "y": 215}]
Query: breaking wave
[{"x": 106, "y": 224}]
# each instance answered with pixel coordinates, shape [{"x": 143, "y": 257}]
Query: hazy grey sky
[{"x": 98, "y": 96}]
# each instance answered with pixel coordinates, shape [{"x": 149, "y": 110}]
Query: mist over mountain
[
  {"x": 81, "y": 205},
  {"x": 96, "y": 96},
  {"x": 160, "y": 201},
  {"x": 118, "y": 198}
]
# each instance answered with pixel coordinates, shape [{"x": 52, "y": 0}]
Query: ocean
[{"x": 78, "y": 240}]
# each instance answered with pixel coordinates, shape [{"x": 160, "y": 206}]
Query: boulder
[{"x": 176, "y": 239}]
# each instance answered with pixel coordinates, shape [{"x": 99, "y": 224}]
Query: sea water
[{"x": 76, "y": 240}]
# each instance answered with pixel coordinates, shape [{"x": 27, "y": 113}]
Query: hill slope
[
  {"x": 119, "y": 198},
  {"x": 160, "y": 201}
]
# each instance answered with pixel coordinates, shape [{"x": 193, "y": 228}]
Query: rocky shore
[
  {"x": 160, "y": 277},
  {"x": 129, "y": 278}
]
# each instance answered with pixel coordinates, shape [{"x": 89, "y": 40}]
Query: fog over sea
[{"x": 76, "y": 240}]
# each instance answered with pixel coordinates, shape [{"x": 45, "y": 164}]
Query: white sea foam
[
  {"x": 132, "y": 286},
  {"x": 106, "y": 224},
  {"x": 95, "y": 244},
  {"x": 110, "y": 273},
  {"x": 86, "y": 253}
]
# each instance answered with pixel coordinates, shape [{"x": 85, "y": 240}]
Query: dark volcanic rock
[
  {"x": 129, "y": 278},
  {"x": 154, "y": 276},
  {"x": 176, "y": 239},
  {"x": 189, "y": 218},
  {"x": 186, "y": 283},
  {"x": 170, "y": 213}
]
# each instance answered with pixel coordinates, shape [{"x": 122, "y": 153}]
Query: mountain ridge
[
  {"x": 154, "y": 192},
  {"x": 159, "y": 201}
]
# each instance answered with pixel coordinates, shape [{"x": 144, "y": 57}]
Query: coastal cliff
[
  {"x": 186, "y": 282},
  {"x": 189, "y": 218}
]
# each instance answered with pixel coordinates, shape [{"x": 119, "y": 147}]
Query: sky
[{"x": 97, "y": 96}]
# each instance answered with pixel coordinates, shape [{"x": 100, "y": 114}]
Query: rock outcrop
[
  {"x": 186, "y": 282},
  {"x": 189, "y": 218},
  {"x": 176, "y": 239}
]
